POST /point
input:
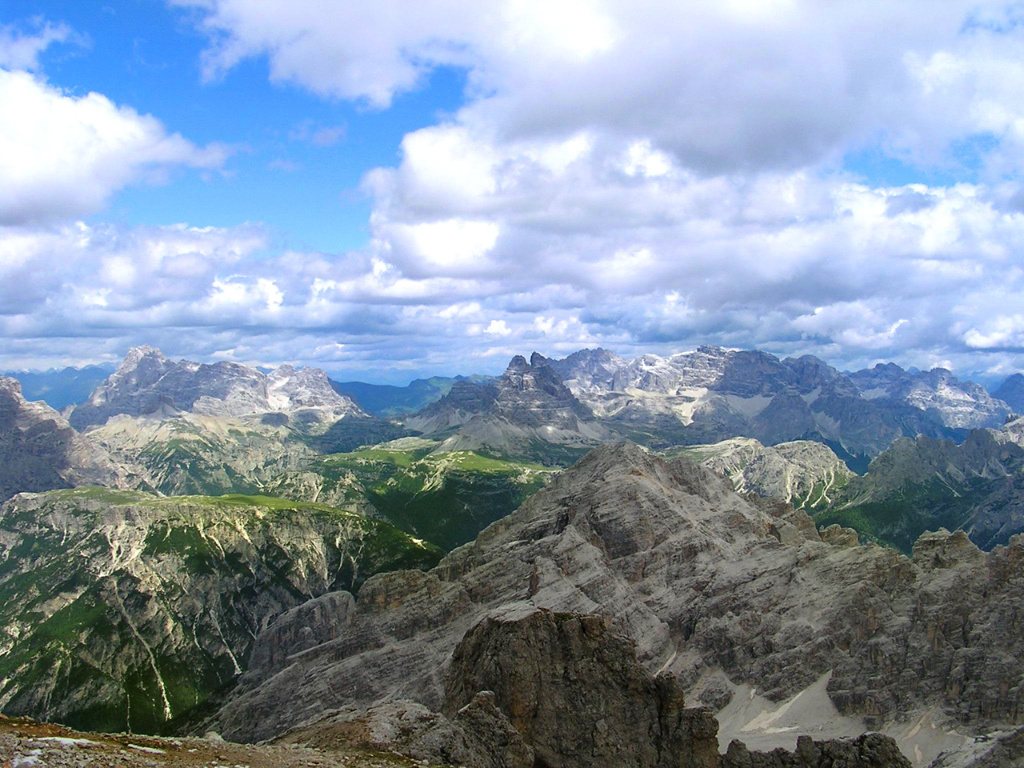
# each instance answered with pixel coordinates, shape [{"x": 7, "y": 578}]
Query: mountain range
[{"x": 236, "y": 539}]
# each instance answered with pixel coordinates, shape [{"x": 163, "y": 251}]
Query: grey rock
[
  {"x": 712, "y": 394},
  {"x": 527, "y": 413},
  {"x": 838, "y": 536},
  {"x": 868, "y": 751},
  {"x": 806, "y": 474}
]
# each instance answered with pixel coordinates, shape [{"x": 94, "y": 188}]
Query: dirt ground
[{"x": 26, "y": 743}]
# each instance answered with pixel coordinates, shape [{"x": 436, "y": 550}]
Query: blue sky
[{"x": 391, "y": 190}]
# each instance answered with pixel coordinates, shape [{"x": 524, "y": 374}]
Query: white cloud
[
  {"x": 64, "y": 156},
  {"x": 498, "y": 328},
  {"x": 21, "y": 50}
]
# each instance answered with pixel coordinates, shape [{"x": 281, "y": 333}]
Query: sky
[{"x": 396, "y": 189}]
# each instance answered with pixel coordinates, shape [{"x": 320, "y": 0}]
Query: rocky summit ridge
[
  {"x": 711, "y": 394},
  {"x": 717, "y": 589}
]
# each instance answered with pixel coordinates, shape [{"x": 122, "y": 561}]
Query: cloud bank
[{"x": 645, "y": 178}]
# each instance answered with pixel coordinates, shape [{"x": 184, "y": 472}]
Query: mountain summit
[{"x": 528, "y": 412}]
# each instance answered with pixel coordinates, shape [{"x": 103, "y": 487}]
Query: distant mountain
[
  {"x": 146, "y": 383},
  {"x": 39, "y": 450},
  {"x": 386, "y": 400},
  {"x": 960, "y": 404},
  {"x": 527, "y": 413},
  {"x": 923, "y": 484},
  {"x": 62, "y": 387},
  {"x": 123, "y": 611},
  {"x": 713, "y": 394},
  {"x": 1011, "y": 392}
]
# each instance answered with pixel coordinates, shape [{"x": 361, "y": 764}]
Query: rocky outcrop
[
  {"x": 39, "y": 451},
  {"x": 703, "y": 581},
  {"x": 124, "y": 610},
  {"x": 531, "y": 687},
  {"x": 575, "y": 691},
  {"x": 148, "y": 383},
  {"x": 869, "y": 751}
]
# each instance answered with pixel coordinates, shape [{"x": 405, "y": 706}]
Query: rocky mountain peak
[
  {"x": 136, "y": 355},
  {"x": 532, "y": 392},
  {"x": 10, "y": 387},
  {"x": 147, "y": 382},
  {"x": 517, "y": 364}
]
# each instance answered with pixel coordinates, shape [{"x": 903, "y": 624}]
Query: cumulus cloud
[{"x": 64, "y": 155}]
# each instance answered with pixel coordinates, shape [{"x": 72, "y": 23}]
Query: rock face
[
  {"x": 806, "y": 474},
  {"x": 961, "y": 404},
  {"x": 703, "y": 581},
  {"x": 575, "y": 691},
  {"x": 712, "y": 394},
  {"x": 123, "y": 610},
  {"x": 528, "y": 413},
  {"x": 146, "y": 382},
  {"x": 39, "y": 451}
]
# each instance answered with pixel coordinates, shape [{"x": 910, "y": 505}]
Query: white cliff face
[
  {"x": 961, "y": 404},
  {"x": 148, "y": 383},
  {"x": 711, "y": 394}
]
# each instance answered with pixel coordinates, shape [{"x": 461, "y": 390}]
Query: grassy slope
[{"x": 446, "y": 498}]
